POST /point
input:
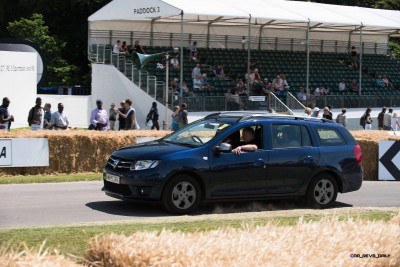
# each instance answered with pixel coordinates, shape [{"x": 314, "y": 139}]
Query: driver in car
[{"x": 248, "y": 141}]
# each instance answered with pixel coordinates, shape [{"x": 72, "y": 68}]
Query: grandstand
[{"x": 281, "y": 45}]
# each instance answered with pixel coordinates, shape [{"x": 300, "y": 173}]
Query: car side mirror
[{"x": 223, "y": 148}]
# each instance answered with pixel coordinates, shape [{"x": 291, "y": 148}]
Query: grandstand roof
[{"x": 279, "y": 14}]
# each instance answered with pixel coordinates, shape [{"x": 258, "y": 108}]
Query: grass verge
[
  {"x": 75, "y": 239},
  {"x": 51, "y": 178}
]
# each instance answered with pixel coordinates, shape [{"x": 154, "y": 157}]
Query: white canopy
[{"x": 268, "y": 15}]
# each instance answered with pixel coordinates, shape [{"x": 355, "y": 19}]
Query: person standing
[
  {"x": 121, "y": 118},
  {"x": 327, "y": 115},
  {"x": 315, "y": 113},
  {"x": 112, "y": 116},
  {"x": 59, "y": 120},
  {"x": 47, "y": 116},
  {"x": 5, "y": 117},
  {"x": 35, "y": 116},
  {"x": 342, "y": 118},
  {"x": 183, "y": 116},
  {"x": 381, "y": 115},
  {"x": 130, "y": 121},
  {"x": 153, "y": 116},
  {"x": 395, "y": 122},
  {"x": 174, "y": 123},
  {"x": 99, "y": 117},
  {"x": 368, "y": 120},
  {"x": 387, "y": 120}
]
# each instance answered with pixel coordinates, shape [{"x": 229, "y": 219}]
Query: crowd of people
[{"x": 41, "y": 118}]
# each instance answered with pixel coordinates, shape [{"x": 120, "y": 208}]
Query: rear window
[{"x": 329, "y": 137}]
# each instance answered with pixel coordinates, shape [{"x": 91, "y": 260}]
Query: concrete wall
[{"x": 112, "y": 86}]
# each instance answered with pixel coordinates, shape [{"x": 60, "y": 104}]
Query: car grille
[
  {"x": 118, "y": 164},
  {"x": 121, "y": 189}
]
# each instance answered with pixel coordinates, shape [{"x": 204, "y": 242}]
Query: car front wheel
[
  {"x": 322, "y": 191},
  {"x": 182, "y": 195}
]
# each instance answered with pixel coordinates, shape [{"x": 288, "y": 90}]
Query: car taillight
[{"x": 357, "y": 153}]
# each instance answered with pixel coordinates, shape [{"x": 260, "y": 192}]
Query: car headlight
[{"x": 144, "y": 165}]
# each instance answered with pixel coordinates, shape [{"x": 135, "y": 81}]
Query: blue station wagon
[{"x": 238, "y": 156}]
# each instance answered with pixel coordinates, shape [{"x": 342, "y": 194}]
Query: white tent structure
[{"x": 260, "y": 24}]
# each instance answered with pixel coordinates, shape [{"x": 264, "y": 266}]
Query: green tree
[{"x": 34, "y": 29}]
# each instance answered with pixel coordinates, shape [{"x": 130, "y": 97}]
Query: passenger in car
[{"x": 248, "y": 142}]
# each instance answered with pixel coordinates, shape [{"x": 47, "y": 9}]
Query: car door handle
[
  {"x": 308, "y": 159},
  {"x": 259, "y": 162}
]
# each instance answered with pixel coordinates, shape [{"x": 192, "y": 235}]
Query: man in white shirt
[
  {"x": 196, "y": 71},
  {"x": 387, "y": 120},
  {"x": 99, "y": 117},
  {"x": 342, "y": 86},
  {"x": 116, "y": 47},
  {"x": 59, "y": 120}
]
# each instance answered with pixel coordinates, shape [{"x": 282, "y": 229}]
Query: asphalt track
[{"x": 84, "y": 202}]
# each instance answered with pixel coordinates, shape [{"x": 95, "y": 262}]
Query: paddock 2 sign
[{"x": 24, "y": 152}]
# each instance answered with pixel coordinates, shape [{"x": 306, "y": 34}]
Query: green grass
[
  {"x": 75, "y": 239},
  {"x": 51, "y": 178}
]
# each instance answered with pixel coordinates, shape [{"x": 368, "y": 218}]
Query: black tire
[
  {"x": 181, "y": 195},
  {"x": 322, "y": 191}
]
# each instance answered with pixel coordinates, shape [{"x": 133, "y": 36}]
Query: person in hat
[
  {"x": 99, "y": 118},
  {"x": 315, "y": 113},
  {"x": 112, "y": 116}
]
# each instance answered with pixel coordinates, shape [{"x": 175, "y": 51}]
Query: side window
[
  {"x": 305, "y": 137},
  {"x": 247, "y": 135},
  {"x": 286, "y": 135},
  {"x": 329, "y": 137}
]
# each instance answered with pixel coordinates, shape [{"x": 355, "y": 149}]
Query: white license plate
[{"x": 112, "y": 178}]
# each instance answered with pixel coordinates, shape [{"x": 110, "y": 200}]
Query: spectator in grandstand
[
  {"x": 35, "y": 116},
  {"x": 121, "y": 119},
  {"x": 175, "y": 62},
  {"x": 284, "y": 81},
  {"x": 196, "y": 71},
  {"x": 368, "y": 119},
  {"x": 47, "y": 116},
  {"x": 385, "y": 81},
  {"x": 219, "y": 71},
  {"x": 342, "y": 118},
  {"x": 256, "y": 82},
  {"x": 5, "y": 117},
  {"x": 124, "y": 48},
  {"x": 59, "y": 120},
  {"x": 253, "y": 65},
  {"x": 184, "y": 89},
  {"x": 318, "y": 91},
  {"x": 230, "y": 103},
  {"x": 174, "y": 122},
  {"x": 193, "y": 52},
  {"x": 99, "y": 117},
  {"x": 395, "y": 123},
  {"x": 278, "y": 86},
  {"x": 380, "y": 118},
  {"x": 241, "y": 88},
  {"x": 307, "y": 112},
  {"x": 174, "y": 87},
  {"x": 379, "y": 81},
  {"x": 112, "y": 116},
  {"x": 353, "y": 58},
  {"x": 266, "y": 86},
  {"x": 342, "y": 86},
  {"x": 354, "y": 86},
  {"x": 315, "y": 113},
  {"x": 138, "y": 48},
  {"x": 116, "y": 47},
  {"x": 387, "y": 120},
  {"x": 153, "y": 116},
  {"x": 183, "y": 116},
  {"x": 197, "y": 86},
  {"x": 204, "y": 79},
  {"x": 327, "y": 115},
  {"x": 302, "y": 96},
  {"x": 311, "y": 100},
  {"x": 237, "y": 100}
]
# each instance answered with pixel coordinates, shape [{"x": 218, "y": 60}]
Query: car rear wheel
[
  {"x": 182, "y": 195},
  {"x": 322, "y": 191}
]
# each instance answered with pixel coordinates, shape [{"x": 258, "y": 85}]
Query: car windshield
[{"x": 197, "y": 133}]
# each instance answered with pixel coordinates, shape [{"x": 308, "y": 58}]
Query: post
[
  {"x": 308, "y": 59},
  {"x": 181, "y": 61},
  {"x": 248, "y": 56},
  {"x": 360, "y": 64},
  {"x": 165, "y": 124}
]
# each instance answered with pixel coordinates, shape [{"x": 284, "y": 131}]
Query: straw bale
[
  {"x": 16, "y": 257},
  {"x": 86, "y": 151},
  {"x": 329, "y": 242}
]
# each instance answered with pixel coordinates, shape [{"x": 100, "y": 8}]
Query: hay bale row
[
  {"x": 329, "y": 242},
  {"x": 87, "y": 151}
]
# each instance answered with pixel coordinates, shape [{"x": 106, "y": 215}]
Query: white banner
[
  {"x": 257, "y": 98},
  {"x": 24, "y": 152}
]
